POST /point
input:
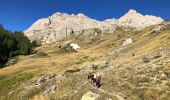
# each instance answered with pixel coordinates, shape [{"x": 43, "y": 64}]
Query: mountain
[
  {"x": 136, "y": 71},
  {"x": 135, "y": 20},
  {"x": 60, "y": 25}
]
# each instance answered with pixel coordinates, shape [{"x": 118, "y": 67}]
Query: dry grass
[{"x": 119, "y": 79}]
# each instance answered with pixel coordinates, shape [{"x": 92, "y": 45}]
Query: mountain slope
[{"x": 140, "y": 70}]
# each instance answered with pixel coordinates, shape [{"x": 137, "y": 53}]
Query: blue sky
[{"x": 18, "y": 15}]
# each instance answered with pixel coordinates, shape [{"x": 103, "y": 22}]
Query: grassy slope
[{"x": 123, "y": 76}]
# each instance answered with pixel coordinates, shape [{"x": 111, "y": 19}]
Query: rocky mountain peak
[
  {"x": 81, "y": 15},
  {"x": 60, "y": 25},
  {"x": 137, "y": 20},
  {"x": 132, "y": 12}
]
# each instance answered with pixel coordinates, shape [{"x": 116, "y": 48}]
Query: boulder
[
  {"x": 73, "y": 47},
  {"x": 127, "y": 41},
  {"x": 53, "y": 88}
]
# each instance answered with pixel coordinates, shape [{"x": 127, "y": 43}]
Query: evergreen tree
[{"x": 13, "y": 44}]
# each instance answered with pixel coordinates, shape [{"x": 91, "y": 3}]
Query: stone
[
  {"x": 52, "y": 76},
  {"x": 163, "y": 76},
  {"x": 53, "y": 88},
  {"x": 73, "y": 47},
  {"x": 127, "y": 41},
  {"x": 46, "y": 91},
  {"x": 40, "y": 81}
]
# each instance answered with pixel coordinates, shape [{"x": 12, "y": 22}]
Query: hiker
[
  {"x": 94, "y": 77},
  {"x": 90, "y": 77},
  {"x": 98, "y": 81}
]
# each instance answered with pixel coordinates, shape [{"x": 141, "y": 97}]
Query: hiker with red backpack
[
  {"x": 98, "y": 81},
  {"x": 94, "y": 79}
]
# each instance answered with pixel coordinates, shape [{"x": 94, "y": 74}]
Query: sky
[{"x": 19, "y": 15}]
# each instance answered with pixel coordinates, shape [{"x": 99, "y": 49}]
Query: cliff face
[{"x": 60, "y": 25}]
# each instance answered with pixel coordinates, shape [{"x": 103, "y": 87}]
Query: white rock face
[
  {"x": 111, "y": 21},
  {"x": 60, "y": 25}
]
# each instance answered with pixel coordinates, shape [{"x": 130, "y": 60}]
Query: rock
[
  {"x": 75, "y": 91},
  {"x": 44, "y": 79},
  {"x": 11, "y": 62},
  {"x": 41, "y": 81},
  {"x": 52, "y": 76},
  {"x": 53, "y": 88},
  {"x": 73, "y": 47},
  {"x": 107, "y": 62},
  {"x": 127, "y": 41},
  {"x": 46, "y": 91},
  {"x": 161, "y": 27},
  {"x": 90, "y": 96},
  {"x": 163, "y": 76}
]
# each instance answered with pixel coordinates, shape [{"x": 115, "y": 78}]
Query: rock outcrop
[{"x": 60, "y": 25}]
